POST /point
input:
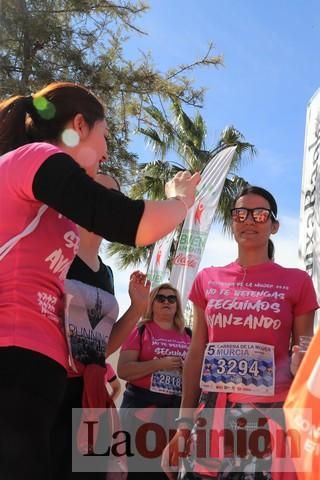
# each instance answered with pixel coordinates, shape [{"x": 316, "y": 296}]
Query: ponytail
[
  {"x": 271, "y": 250},
  {"x": 13, "y": 132},
  {"x": 43, "y": 116}
]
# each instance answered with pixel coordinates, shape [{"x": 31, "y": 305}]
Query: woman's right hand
[
  {"x": 139, "y": 289},
  {"x": 176, "y": 449},
  {"x": 183, "y": 185},
  {"x": 170, "y": 363}
]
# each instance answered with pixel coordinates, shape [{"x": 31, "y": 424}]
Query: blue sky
[
  {"x": 271, "y": 52},
  {"x": 271, "y": 69}
]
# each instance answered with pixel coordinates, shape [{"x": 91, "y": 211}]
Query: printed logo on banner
[
  {"x": 158, "y": 257},
  {"x": 199, "y": 212},
  {"x": 185, "y": 260}
]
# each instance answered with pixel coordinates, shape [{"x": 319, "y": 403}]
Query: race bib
[
  {"x": 169, "y": 383},
  {"x": 232, "y": 367}
]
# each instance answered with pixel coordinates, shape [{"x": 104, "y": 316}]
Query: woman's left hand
[{"x": 139, "y": 289}]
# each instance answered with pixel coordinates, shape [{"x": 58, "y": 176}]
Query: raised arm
[
  {"x": 63, "y": 185},
  {"x": 139, "y": 288}
]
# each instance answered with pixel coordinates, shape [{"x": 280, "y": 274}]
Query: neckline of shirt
[{"x": 270, "y": 264}]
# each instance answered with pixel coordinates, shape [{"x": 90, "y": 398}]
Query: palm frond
[
  {"x": 153, "y": 140},
  {"x": 190, "y": 130},
  {"x": 160, "y": 120},
  {"x": 129, "y": 256},
  {"x": 231, "y": 136},
  {"x": 152, "y": 178},
  {"x": 201, "y": 129},
  {"x": 233, "y": 185}
]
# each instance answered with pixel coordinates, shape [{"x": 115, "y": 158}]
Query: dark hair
[
  {"x": 43, "y": 116},
  {"x": 262, "y": 192}
]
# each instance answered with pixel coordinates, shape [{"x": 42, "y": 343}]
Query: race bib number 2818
[{"x": 169, "y": 383}]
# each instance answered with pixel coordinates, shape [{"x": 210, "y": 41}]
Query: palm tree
[{"x": 185, "y": 137}]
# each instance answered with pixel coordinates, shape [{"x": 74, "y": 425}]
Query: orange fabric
[{"x": 302, "y": 410}]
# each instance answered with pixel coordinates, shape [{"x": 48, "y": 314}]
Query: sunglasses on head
[
  {"x": 162, "y": 298},
  {"x": 258, "y": 215}
]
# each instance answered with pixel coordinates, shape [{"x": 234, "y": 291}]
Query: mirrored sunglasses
[
  {"x": 162, "y": 298},
  {"x": 259, "y": 215}
]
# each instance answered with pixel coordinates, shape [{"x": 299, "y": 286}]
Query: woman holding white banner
[
  {"x": 238, "y": 365},
  {"x": 51, "y": 144}
]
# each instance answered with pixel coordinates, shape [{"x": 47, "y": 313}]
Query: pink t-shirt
[
  {"x": 156, "y": 342},
  {"x": 32, "y": 274},
  {"x": 255, "y": 304}
]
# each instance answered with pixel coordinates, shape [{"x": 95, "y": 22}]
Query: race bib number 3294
[{"x": 232, "y": 367}]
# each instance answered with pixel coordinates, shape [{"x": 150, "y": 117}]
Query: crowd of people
[{"x": 59, "y": 312}]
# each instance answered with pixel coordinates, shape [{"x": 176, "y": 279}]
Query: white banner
[
  {"x": 158, "y": 264},
  {"x": 309, "y": 232},
  {"x": 197, "y": 224}
]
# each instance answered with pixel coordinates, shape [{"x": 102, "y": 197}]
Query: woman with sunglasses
[
  {"x": 246, "y": 314},
  {"x": 151, "y": 362}
]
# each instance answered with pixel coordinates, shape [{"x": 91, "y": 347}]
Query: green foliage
[
  {"x": 82, "y": 41},
  {"x": 129, "y": 256}
]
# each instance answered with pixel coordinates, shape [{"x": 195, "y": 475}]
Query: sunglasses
[
  {"x": 259, "y": 215},
  {"x": 162, "y": 298}
]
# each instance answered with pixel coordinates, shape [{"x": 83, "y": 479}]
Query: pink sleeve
[
  {"x": 197, "y": 295},
  {"x": 28, "y": 159},
  {"x": 110, "y": 373},
  {"x": 133, "y": 342},
  {"x": 307, "y": 301}
]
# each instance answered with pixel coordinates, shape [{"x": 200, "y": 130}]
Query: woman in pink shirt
[
  {"x": 51, "y": 144},
  {"x": 151, "y": 362},
  {"x": 246, "y": 315}
]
